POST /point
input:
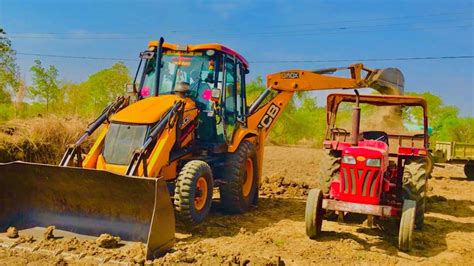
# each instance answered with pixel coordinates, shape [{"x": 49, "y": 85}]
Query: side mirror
[{"x": 215, "y": 95}]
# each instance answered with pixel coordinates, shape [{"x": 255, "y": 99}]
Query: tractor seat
[{"x": 375, "y": 135}]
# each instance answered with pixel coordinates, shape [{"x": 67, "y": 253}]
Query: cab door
[{"x": 229, "y": 99}]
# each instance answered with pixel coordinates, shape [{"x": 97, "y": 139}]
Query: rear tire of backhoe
[
  {"x": 193, "y": 192},
  {"x": 329, "y": 167},
  {"x": 415, "y": 178},
  {"x": 239, "y": 188}
]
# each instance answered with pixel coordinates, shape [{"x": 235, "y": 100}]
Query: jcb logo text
[{"x": 269, "y": 116}]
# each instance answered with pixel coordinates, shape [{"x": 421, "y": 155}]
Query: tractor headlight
[
  {"x": 373, "y": 162},
  {"x": 348, "y": 159}
]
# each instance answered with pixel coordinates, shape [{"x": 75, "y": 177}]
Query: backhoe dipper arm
[{"x": 283, "y": 85}]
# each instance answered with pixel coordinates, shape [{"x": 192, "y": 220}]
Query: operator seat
[{"x": 375, "y": 135}]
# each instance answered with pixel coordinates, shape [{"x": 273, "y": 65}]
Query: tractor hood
[{"x": 149, "y": 110}]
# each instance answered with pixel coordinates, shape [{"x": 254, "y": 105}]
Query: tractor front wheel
[
  {"x": 469, "y": 170},
  {"x": 314, "y": 213},
  {"x": 414, "y": 186},
  {"x": 239, "y": 189},
  {"x": 193, "y": 192},
  {"x": 407, "y": 224}
]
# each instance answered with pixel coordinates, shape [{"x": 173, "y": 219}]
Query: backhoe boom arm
[{"x": 284, "y": 84}]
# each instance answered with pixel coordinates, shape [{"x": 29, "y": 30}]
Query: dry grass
[{"x": 41, "y": 140}]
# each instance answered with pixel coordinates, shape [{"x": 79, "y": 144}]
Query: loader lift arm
[
  {"x": 285, "y": 84},
  {"x": 75, "y": 148}
]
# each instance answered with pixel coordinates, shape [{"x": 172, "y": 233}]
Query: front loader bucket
[{"x": 87, "y": 201}]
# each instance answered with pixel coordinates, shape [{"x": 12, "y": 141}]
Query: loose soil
[{"x": 274, "y": 232}]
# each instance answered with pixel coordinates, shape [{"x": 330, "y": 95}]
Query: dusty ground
[{"x": 274, "y": 232}]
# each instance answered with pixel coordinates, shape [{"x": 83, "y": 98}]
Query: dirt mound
[
  {"x": 281, "y": 187},
  {"x": 107, "y": 241},
  {"x": 12, "y": 232},
  {"x": 49, "y": 233},
  {"x": 41, "y": 140}
]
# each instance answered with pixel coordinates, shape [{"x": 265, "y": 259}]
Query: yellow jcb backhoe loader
[{"x": 185, "y": 128}]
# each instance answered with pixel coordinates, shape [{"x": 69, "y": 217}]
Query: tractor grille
[{"x": 360, "y": 182}]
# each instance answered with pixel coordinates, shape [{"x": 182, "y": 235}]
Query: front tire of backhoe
[
  {"x": 415, "y": 177},
  {"x": 238, "y": 190},
  {"x": 193, "y": 192}
]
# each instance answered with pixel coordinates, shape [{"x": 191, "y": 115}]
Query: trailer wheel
[
  {"x": 314, "y": 213},
  {"x": 407, "y": 224},
  {"x": 414, "y": 186},
  {"x": 239, "y": 189},
  {"x": 193, "y": 192},
  {"x": 329, "y": 167},
  {"x": 469, "y": 170}
]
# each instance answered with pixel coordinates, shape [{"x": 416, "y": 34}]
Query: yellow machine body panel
[{"x": 149, "y": 110}]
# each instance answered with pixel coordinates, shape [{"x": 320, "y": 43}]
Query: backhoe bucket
[
  {"x": 87, "y": 202},
  {"x": 388, "y": 81}
]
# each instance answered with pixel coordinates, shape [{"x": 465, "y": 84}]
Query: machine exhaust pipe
[{"x": 355, "y": 121}]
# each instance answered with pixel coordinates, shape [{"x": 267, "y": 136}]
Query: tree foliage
[
  {"x": 444, "y": 119},
  {"x": 45, "y": 84},
  {"x": 101, "y": 88},
  {"x": 9, "y": 71}
]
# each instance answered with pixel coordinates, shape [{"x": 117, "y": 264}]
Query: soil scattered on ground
[
  {"x": 12, "y": 232},
  {"x": 49, "y": 233},
  {"x": 107, "y": 241}
]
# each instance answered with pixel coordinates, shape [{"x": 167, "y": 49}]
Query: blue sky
[{"x": 260, "y": 31}]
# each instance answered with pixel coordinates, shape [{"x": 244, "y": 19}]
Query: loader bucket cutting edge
[{"x": 87, "y": 201}]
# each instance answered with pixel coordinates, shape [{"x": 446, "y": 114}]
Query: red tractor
[{"x": 375, "y": 173}]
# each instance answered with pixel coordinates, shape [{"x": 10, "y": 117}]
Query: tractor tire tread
[
  {"x": 415, "y": 176},
  {"x": 329, "y": 170}
]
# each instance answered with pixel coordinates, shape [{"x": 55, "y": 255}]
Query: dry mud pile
[{"x": 274, "y": 232}]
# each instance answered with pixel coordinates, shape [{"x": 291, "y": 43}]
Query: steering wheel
[{"x": 338, "y": 130}]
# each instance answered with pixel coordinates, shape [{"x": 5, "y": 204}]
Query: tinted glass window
[{"x": 121, "y": 141}]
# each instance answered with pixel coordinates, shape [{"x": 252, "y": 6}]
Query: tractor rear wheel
[
  {"x": 407, "y": 224},
  {"x": 328, "y": 170},
  {"x": 469, "y": 170},
  {"x": 239, "y": 189},
  {"x": 193, "y": 192},
  {"x": 430, "y": 161},
  {"x": 414, "y": 186},
  {"x": 314, "y": 213}
]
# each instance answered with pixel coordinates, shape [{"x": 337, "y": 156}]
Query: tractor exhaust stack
[{"x": 355, "y": 121}]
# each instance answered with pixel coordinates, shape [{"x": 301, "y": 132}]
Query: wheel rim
[
  {"x": 247, "y": 186},
  {"x": 201, "y": 193}
]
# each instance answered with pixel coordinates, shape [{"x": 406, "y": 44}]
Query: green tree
[
  {"x": 444, "y": 120},
  {"x": 9, "y": 71},
  {"x": 100, "y": 89},
  {"x": 254, "y": 88},
  {"x": 45, "y": 84}
]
